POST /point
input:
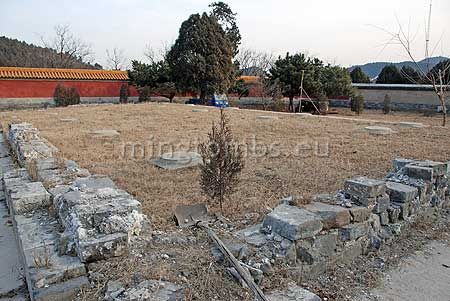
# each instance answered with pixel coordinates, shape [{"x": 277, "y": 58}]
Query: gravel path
[{"x": 424, "y": 275}]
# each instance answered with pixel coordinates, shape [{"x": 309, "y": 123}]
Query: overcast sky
[{"x": 340, "y": 32}]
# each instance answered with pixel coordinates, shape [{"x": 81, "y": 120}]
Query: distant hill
[
  {"x": 15, "y": 53},
  {"x": 374, "y": 69}
]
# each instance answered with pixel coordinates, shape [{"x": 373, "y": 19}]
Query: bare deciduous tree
[
  {"x": 116, "y": 59},
  {"x": 160, "y": 54},
  {"x": 439, "y": 80},
  {"x": 255, "y": 63},
  {"x": 68, "y": 48}
]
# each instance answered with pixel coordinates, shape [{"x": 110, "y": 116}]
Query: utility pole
[
  {"x": 427, "y": 33},
  {"x": 301, "y": 92}
]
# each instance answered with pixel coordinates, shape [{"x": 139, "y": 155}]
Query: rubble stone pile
[{"x": 357, "y": 220}]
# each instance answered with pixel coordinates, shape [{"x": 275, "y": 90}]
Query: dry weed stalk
[{"x": 42, "y": 260}]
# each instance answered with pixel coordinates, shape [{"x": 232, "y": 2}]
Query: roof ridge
[{"x": 59, "y": 73}]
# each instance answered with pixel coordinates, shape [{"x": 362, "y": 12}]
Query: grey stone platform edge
[
  {"x": 357, "y": 220},
  {"x": 63, "y": 217}
]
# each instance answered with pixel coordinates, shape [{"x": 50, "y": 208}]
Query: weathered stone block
[
  {"x": 399, "y": 163},
  {"x": 382, "y": 204},
  {"x": 359, "y": 214},
  {"x": 364, "y": 190},
  {"x": 419, "y": 172},
  {"x": 292, "y": 222},
  {"x": 394, "y": 214},
  {"x": 102, "y": 247},
  {"x": 404, "y": 210},
  {"x": 401, "y": 193},
  {"x": 384, "y": 218},
  {"x": 315, "y": 250},
  {"x": 332, "y": 216},
  {"x": 29, "y": 197},
  {"x": 293, "y": 293},
  {"x": 353, "y": 231},
  {"x": 352, "y": 249}
]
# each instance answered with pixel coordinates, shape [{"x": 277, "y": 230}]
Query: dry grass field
[{"x": 351, "y": 151}]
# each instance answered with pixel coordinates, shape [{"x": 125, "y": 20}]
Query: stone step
[
  {"x": 11, "y": 269},
  {"x": 44, "y": 268},
  {"x": 22, "y": 195}
]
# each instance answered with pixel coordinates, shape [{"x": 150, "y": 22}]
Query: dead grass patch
[{"x": 264, "y": 181}]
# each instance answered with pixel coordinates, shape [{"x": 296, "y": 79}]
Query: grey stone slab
[
  {"x": 6, "y": 165},
  {"x": 67, "y": 290},
  {"x": 293, "y": 293},
  {"x": 292, "y": 222},
  {"x": 94, "y": 183},
  {"x": 10, "y": 267},
  {"x": 333, "y": 216},
  {"x": 401, "y": 193},
  {"x": 153, "y": 290}
]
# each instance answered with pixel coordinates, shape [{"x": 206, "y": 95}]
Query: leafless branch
[{"x": 116, "y": 59}]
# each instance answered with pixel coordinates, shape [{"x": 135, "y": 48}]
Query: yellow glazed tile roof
[
  {"x": 249, "y": 79},
  {"x": 63, "y": 74}
]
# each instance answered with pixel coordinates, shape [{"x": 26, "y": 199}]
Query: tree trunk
[
  {"x": 444, "y": 109},
  {"x": 202, "y": 96},
  {"x": 291, "y": 104}
]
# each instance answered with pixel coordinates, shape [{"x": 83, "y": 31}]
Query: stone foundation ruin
[{"x": 63, "y": 216}]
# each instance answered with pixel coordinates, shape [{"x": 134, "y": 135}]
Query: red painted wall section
[{"x": 46, "y": 88}]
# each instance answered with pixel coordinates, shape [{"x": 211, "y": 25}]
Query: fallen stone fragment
[
  {"x": 378, "y": 130},
  {"x": 412, "y": 124},
  {"x": 68, "y": 119},
  {"x": 253, "y": 236},
  {"x": 178, "y": 160},
  {"x": 292, "y": 222},
  {"x": 266, "y": 117},
  {"x": 401, "y": 193},
  {"x": 293, "y": 293},
  {"x": 105, "y": 133},
  {"x": 199, "y": 110},
  {"x": 332, "y": 216}
]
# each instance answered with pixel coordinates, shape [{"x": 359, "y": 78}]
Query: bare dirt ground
[{"x": 306, "y": 165}]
